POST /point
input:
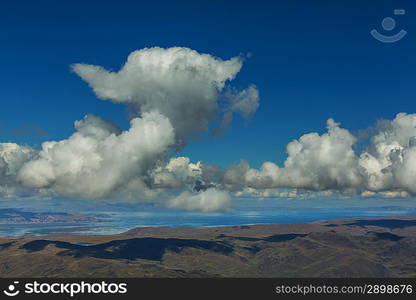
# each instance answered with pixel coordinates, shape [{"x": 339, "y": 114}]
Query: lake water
[{"x": 244, "y": 212}]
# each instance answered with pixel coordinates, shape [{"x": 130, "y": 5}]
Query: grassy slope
[{"x": 298, "y": 250}]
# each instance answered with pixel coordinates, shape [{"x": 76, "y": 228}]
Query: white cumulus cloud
[
  {"x": 98, "y": 160},
  {"x": 314, "y": 161},
  {"x": 390, "y": 162},
  {"x": 329, "y": 162},
  {"x": 176, "y": 93},
  {"x": 210, "y": 200},
  {"x": 180, "y": 83}
]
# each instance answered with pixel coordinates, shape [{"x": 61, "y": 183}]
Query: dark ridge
[
  {"x": 41, "y": 244},
  {"x": 277, "y": 238},
  {"x": 6, "y": 245},
  {"x": 248, "y": 239},
  {"x": 387, "y": 236},
  {"x": 143, "y": 248},
  {"x": 388, "y": 223},
  {"x": 283, "y": 237},
  {"x": 331, "y": 225},
  {"x": 253, "y": 249},
  {"x": 81, "y": 244}
]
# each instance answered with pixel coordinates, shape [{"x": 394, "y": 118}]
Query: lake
[{"x": 117, "y": 218}]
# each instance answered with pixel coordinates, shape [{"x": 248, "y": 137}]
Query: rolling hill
[{"x": 336, "y": 248}]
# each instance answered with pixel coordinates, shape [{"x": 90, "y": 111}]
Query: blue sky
[{"x": 310, "y": 60}]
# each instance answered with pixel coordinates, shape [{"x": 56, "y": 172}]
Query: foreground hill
[{"x": 339, "y": 248}]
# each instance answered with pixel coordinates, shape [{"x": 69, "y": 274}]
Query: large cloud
[
  {"x": 176, "y": 93},
  {"x": 98, "y": 160},
  {"x": 180, "y": 83}
]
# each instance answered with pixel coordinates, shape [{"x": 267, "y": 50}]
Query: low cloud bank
[
  {"x": 325, "y": 163},
  {"x": 329, "y": 162},
  {"x": 210, "y": 200}
]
